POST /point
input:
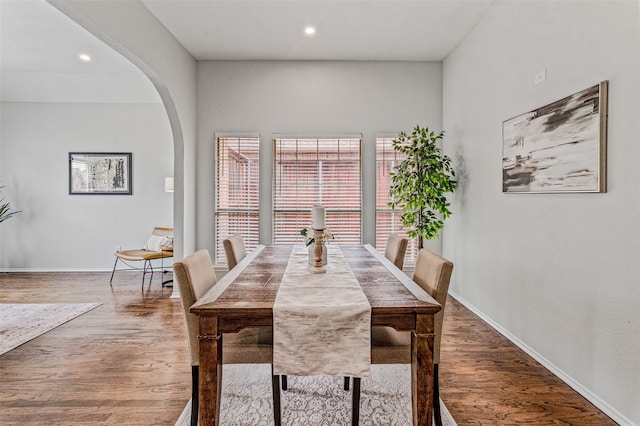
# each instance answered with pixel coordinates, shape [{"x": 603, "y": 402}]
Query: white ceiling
[
  {"x": 40, "y": 46},
  {"x": 391, "y": 30}
]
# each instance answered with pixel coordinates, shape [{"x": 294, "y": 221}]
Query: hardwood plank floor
[
  {"x": 127, "y": 362},
  {"x": 485, "y": 379}
]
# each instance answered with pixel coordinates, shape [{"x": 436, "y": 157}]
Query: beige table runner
[{"x": 321, "y": 322}]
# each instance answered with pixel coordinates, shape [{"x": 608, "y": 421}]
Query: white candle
[{"x": 317, "y": 216}]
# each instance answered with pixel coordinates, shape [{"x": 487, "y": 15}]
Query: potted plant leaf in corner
[
  {"x": 5, "y": 209},
  {"x": 420, "y": 183}
]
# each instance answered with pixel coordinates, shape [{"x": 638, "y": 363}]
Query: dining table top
[{"x": 252, "y": 286}]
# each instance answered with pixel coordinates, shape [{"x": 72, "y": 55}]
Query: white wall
[
  {"x": 559, "y": 273},
  {"x": 308, "y": 97},
  {"x": 130, "y": 29},
  {"x": 58, "y": 231}
]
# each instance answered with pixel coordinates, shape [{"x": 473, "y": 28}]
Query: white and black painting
[
  {"x": 559, "y": 147},
  {"x": 100, "y": 173}
]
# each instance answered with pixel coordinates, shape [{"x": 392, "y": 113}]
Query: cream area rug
[
  {"x": 315, "y": 400},
  {"x": 21, "y": 322}
]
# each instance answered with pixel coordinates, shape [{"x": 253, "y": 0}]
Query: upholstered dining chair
[
  {"x": 396, "y": 249},
  {"x": 234, "y": 249},
  {"x": 158, "y": 246},
  {"x": 389, "y": 346},
  {"x": 195, "y": 276}
]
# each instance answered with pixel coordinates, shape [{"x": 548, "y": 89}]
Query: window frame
[
  {"x": 275, "y": 209},
  {"x": 395, "y": 224},
  {"x": 251, "y": 240}
]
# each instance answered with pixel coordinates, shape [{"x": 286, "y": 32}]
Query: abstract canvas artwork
[
  {"x": 100, "y": 173},
  {"x": 560, "y": 147}
]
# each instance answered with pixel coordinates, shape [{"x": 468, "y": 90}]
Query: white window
[
  {"x": 237, "y": 185},
  {"x": 309, "y": 171},
  {"x": 389, "y": 221}
]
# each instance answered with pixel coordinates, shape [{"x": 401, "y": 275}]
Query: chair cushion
[
  {"x": 249, "y": 346},
  {"x": 158, "y": 243},
  {"x": 139, "y": 255},
  {"x": 389, "y": 346}
]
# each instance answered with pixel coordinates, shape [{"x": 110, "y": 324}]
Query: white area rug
[
  {"x": 315, "y": 401},
  {"x": 21, "y": 322}
]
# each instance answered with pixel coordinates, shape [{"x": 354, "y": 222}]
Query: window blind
[
  {"x": 309, "y": 171},
  {"x": 387, "y": 220},
  {"x": 237, "y": 196}
]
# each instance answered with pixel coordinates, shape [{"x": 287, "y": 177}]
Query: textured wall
[
  {"x": 558, "y": 273},
  {"x": 58, "y": 231}
]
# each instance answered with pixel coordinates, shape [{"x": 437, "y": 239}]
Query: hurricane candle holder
[{"x": 318, "y": 267}]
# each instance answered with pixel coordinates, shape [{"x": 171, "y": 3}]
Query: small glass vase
[{"x": 312, "y": 258}]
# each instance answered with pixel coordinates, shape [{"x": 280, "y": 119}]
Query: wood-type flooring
[{"x": 127, "y": 363}]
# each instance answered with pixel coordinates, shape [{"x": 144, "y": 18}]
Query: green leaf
[{"x": 419, "y": 184}]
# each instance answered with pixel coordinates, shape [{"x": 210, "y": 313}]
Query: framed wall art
[
  {"x": 558, "y": 148},
  {"x": 105, "y": 173}
]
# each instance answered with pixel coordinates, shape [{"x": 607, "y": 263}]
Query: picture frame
[
  {"x": 558, "y": 148},
  {"x": 100, "y": 173}
]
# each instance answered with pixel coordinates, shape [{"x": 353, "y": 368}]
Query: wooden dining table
[{"x": 244, "y": 297}]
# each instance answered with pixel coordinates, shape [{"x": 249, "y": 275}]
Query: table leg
[
  {"x": 422, "y": 341},
  {"x": 210, "y": 356}
]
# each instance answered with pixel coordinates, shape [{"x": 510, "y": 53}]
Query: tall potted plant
[
  {"x": 419, "y": 184},
  {"x": 5, "y": 209}
]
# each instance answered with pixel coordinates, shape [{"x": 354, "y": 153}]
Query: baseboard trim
[{"x": 602, "y": 405}]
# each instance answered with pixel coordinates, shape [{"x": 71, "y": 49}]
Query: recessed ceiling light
[
  {"x": 84, "y": 57},
  {"x": 309, "y": 31}
]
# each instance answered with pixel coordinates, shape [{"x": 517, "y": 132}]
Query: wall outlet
[
  {"x": 540, "y": 77},
  {"x": 118, "y": 248}
]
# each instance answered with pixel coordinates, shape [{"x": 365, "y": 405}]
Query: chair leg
[
  {"x": 355, "y": 409},
  {"x": 346, "y": 383},
  {"x": 144, "y": 272},
  {"x": 165, "y": 283},
  {"x": 275, "y": 388},
  {"x": 114, "y": 271},
  {"x": 147, "y": 267},
  {"x": 437, "y": 415},
  {"x": 284, "y": 382},
  {"x": 195, "y": 400}
]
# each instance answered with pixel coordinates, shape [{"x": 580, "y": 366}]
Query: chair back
[
  {"x": 163, "y": 232},
  {"x": 234, "y": 249},
  {"x": 433, "y": 274},
  {"x": 195, "y": 276},
  {"x": 160, "y": 242},
  {"x": 396, "y": 249}
]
